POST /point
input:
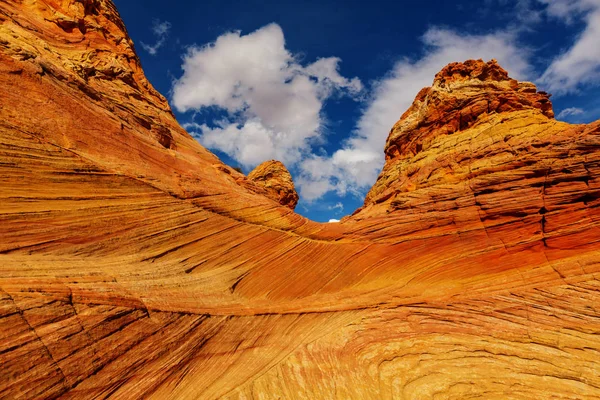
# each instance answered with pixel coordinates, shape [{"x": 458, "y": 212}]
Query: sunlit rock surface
[
  {"x": 135, "y": 264},
  {"x": 274, "y": 177}
]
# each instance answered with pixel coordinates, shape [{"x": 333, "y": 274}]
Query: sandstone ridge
[{"x": 135, "y": 264}]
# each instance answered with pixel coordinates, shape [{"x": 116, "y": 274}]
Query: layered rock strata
[{"x": 135, "y": 264}]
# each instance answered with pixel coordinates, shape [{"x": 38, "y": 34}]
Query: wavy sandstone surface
[{"x": 135, "y": 264}]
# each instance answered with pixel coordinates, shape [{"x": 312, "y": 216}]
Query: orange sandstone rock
[
  {"x": 461, "y": 93},
  {"x": 135, "y": 264},
  {"x": 274, "y": 177}
]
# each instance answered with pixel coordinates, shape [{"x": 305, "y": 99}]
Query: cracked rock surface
[{"x": 135, "y": 264}]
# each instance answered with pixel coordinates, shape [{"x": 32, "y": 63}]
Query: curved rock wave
[{"x": 134, "y": 264}]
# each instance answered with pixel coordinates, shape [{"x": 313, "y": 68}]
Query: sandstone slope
[{"x": 135, "y": 264}]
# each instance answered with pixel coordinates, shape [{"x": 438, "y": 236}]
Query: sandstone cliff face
[
  {"x": 481, "y": 149},
  {"x": 274, "y": 177},
  {"x": 133, "y": 266},
  {"x": 463, "y": 96}
]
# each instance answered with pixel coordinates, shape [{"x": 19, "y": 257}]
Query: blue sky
[{"x": 319, "y": 84}]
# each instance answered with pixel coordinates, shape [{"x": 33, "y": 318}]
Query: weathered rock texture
[
  {"x": 274, "y": 177},
  {"x": 134, "y": 264}
]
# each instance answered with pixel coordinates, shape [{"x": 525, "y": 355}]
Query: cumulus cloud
[
  {"x": 580, "y": 64},
  {"x": 272, "y": 103},
  {"x": 161, "y": 32},
  {"x": 354, "y": 167},
  {"x": 568, "y": 112},
  {"x": 334, "y": 220}
]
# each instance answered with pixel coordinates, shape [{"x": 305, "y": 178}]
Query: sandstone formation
[
  {"x": 135, "y": 264},
  {"x": 274, "y": 177}
]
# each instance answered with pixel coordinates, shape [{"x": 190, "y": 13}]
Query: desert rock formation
[
  {"x": 274, "y": 177},
  {"x": 135, "y": 264}
]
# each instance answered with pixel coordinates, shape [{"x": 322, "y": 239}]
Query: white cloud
[
  {"x": 250, "y": 144},
  {"x": 161, "y": 31},
  {"x": 569, "y": 10},
  {"x": 580, "y": 64},
  {"x": 325, "y": 70},
  {"x": 273, "y": 103},
  {"x": 571, "y": 111},
  {"x": 334, "y": 220},
  {"x": 337, "y": 206},
  {"x": 312, "y": 188},
  {"x": 354, "y": 168}
]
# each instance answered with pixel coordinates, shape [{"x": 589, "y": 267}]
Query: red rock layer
[{"x": 133, "y": 263}]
